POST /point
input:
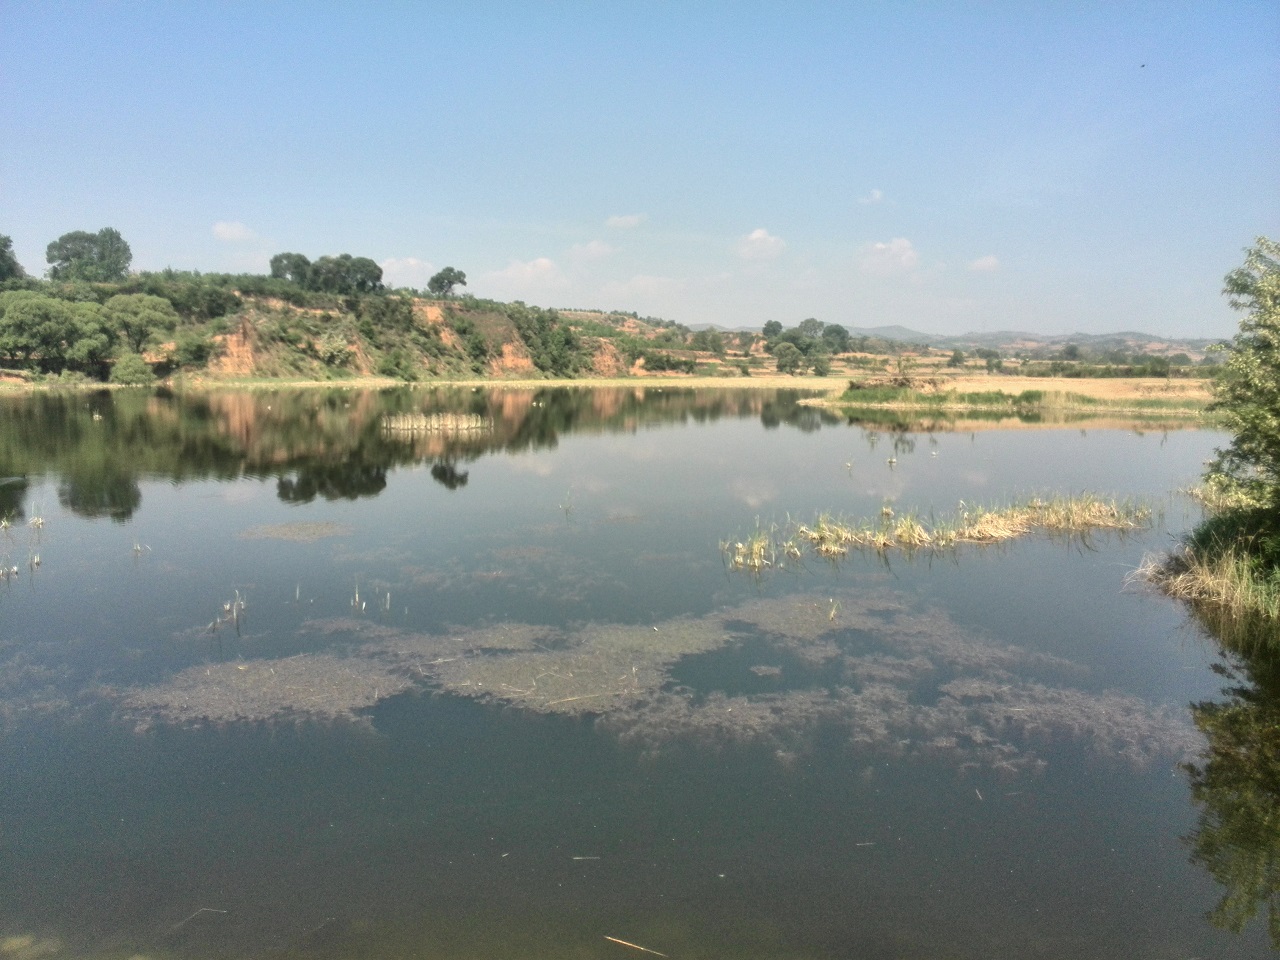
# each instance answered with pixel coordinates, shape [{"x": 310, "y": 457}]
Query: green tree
[
  {"x": 293, "y": 267},
  {"x": 137, "y": 318},
  {"x": 192, "y": 349},
  {"x": 772, "y": 329},
  {"x": 811, "y": 328},
  {"x": 709, "y": 340},
  {"x": 553, "y": 347},
  {"x": 10, "y": 268},
  {"x": 1247, "y": 392},
  {"x": 789, "y": 358},
  {"x": 995, "y": 362},
  {"x": 101, "y": 257},
  {"x": 51, "y": 333},
  {"x": 345, "y": 274},
  {"x": 131, "y": 370},
  {"x": 836, "y": 338},
  {"x": 442, "y": 283},
  {"x": 93, "y": 340},
  {"x": 957, "y": 359}
]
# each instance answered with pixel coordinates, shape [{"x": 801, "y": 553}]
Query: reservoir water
[{"x": 467, "y": 674}]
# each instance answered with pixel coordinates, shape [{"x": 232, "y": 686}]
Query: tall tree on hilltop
[
  {"x": 291, "y": 266},
  {"x": 101, "y": 257},
  {"x": 10, "y": 268},
  {"x": 442, "y": 283}
]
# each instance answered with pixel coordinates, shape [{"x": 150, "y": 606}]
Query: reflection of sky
[{"x": 836, "y": 469}]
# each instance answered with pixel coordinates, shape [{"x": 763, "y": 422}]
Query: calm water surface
[{"x": 282, "y": 675}]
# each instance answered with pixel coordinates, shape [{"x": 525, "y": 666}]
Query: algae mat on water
[{"x": 884, "y": 679}]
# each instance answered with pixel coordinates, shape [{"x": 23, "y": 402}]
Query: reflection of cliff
[
  {"x": 1236, "y": 785},
  {"x": 326, "y": 443}
]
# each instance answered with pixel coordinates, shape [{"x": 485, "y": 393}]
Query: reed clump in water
[
  {"x": 762, "y": 549},
  {"x": 832, "y": 538}
]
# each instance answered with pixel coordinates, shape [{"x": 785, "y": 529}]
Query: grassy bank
[
  {"x": 1036, "y": 402},
  {"x": 1228, "y": 570}
]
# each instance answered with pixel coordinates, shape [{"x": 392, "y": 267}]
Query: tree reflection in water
[
  {"x": 1236, "y": 783},
  {"x": 318, "y": 442}
]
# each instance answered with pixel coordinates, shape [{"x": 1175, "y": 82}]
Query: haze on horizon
[{"x": 1084, "y": 167}]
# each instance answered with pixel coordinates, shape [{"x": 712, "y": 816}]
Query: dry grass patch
[
  {"x": 1109, "y": 388},
  {"x": 832, "y": 538}
]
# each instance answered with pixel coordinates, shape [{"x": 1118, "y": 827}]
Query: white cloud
[
  {"x": 523, "y": 279},
  {"x": 875, "y": 196},
  {"x": 760, "y": 245},
  {"x": 627, "y": 221},
  {"x": 896, "y": 256},
  {"x": 406, "y": 272},
  {"x": 987, "y": 264},
  {"x": 538, "y": 270},
  {"x": 592, "y": 250},
  {"x": 232, "y": 231},
  {"x": 642, "y": 286}
]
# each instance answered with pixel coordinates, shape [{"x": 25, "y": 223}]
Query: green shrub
[{"x": 131, "y": 370}]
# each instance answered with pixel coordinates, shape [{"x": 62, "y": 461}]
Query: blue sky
[{"x": 945, "y": 166}]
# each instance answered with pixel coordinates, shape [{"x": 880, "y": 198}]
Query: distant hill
[
  {"x": 1015, "y": 342},
  {"x": 1023, "y": 343},
  {"x": 895, "y": 332}
]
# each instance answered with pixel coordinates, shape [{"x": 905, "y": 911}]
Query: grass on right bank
[
  {"x": 1230, "y": 564},
  {"x": 1026, "y": 402}
]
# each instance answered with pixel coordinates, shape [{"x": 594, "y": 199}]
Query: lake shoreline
[{"x": 1196, "y": 392}]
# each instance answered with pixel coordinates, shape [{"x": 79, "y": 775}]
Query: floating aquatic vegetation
[
  {"x": 1112, "y": 724},
  {"x": 302, "y": 532},
  {"x": 29, "y": 687},
  {"x": 598, "y": 669},
  {"x": 28, "y": 947},
  {"x": 882, "y": 679},
  {"x": 317, "y": 686},
  {"x": 882, "y": 668},
  {"x": 912, "y": 684}
]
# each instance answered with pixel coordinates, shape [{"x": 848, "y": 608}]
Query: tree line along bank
[{"x": 333, "y": 317}]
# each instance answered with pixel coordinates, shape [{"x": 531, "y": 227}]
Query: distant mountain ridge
[
  {"x": 1012, "y": 342},
  {"x": 1016, "y": 341}
]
